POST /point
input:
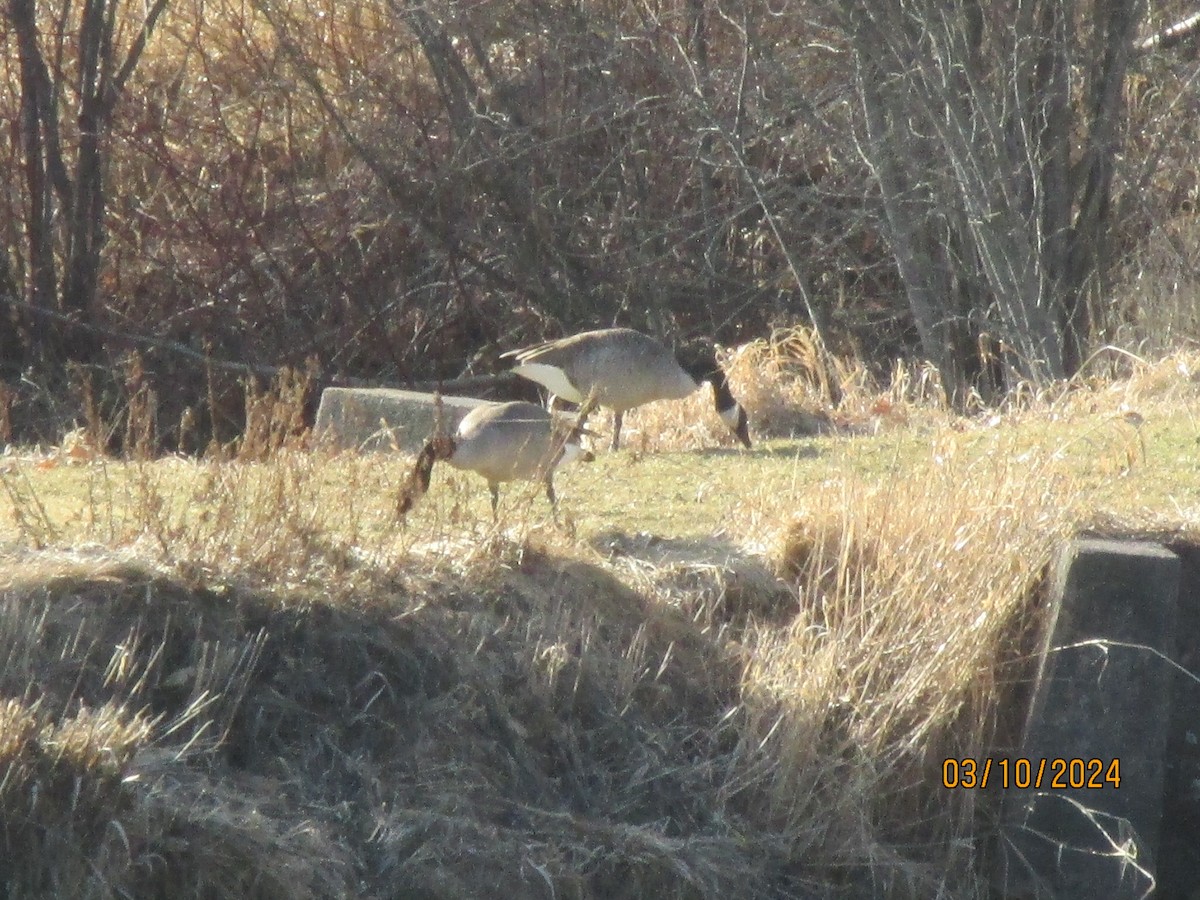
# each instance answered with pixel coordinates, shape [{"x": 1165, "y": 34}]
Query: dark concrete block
[
  {"x": 1179, "y": 856},
  {"x": 1102, "y": 693},
  {"x": 381, "y": 418}
]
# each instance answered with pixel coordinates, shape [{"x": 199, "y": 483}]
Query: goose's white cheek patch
[
  {"x": 572, "y": 452},
  {"x": 731, "y": 416}
]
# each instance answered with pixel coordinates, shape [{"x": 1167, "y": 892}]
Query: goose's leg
[
  {"x": 616, "y": 441},
  {"x": 495, "y": 491}
]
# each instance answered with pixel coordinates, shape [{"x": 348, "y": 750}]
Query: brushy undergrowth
[{"x": 241, "y": 677}]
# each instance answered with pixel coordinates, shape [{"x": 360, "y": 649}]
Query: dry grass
[
  {"x": 915, "y": 601},
  {"x": 727, "y": 674}
]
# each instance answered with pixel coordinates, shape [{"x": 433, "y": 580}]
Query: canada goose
[
  {"x": 621, "y": 368},
  {"x": 502, "y": 442}
]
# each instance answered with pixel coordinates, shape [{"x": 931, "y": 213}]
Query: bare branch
[{"x": 1170, "y": 36}]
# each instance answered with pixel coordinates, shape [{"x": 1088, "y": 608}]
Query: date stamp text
[{"x": 1057, "y": 774}]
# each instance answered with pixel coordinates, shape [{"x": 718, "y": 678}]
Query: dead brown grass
[
  {"x": 241, "y": 677},
  {"x": 544, "y": 731},
  {"x": 915, "y": 595}
]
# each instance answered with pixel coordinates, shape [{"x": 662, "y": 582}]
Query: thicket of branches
[{"x": 400, "y": 191}]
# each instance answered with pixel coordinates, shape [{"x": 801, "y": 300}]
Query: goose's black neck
[
  {"x": 417, "y": 483},
  {"x": 701, "y": 364}
]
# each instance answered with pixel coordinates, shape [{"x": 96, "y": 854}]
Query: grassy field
[{"x": 724, "y": 673}]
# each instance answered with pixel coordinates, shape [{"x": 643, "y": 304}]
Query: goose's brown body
[
  {"x": 502, "y": 442},
  {"x": 620, "y": 369}
]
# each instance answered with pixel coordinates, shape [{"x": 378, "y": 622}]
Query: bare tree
[
  {"x": 993, "y": 130},
  {"x": 67, "y": 108},
  {"x": 589, "y": 165}
]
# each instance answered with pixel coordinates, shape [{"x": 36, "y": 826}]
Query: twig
[{"x": 1171, "y": 35}]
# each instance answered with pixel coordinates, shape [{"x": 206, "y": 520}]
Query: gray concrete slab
[
  {"x": 382, "y": 419},
  {"x": 1102, "y": 694},
  {"x": 1179, "y": 855}
]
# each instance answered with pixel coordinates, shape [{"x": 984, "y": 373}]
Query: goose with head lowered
[
  {"x": 620, "y": 369},
  {"x": 502, "y": 442}
]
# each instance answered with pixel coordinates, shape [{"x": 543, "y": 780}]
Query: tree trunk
[
  {"x": 66, "y": 209},
  {"x": 974, "y": 130}
]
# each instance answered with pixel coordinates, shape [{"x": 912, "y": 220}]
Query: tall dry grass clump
[
  {"x": 60, "y": 791},
  {"x": 918, "y": 596},
  {"x": 785, "y": 383}
]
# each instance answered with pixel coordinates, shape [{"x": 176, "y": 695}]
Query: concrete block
[
  {"x": 1179, "y": 857},
  {"x": 1102, "y": 694},
  {"x": 379, "y": 419}
]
